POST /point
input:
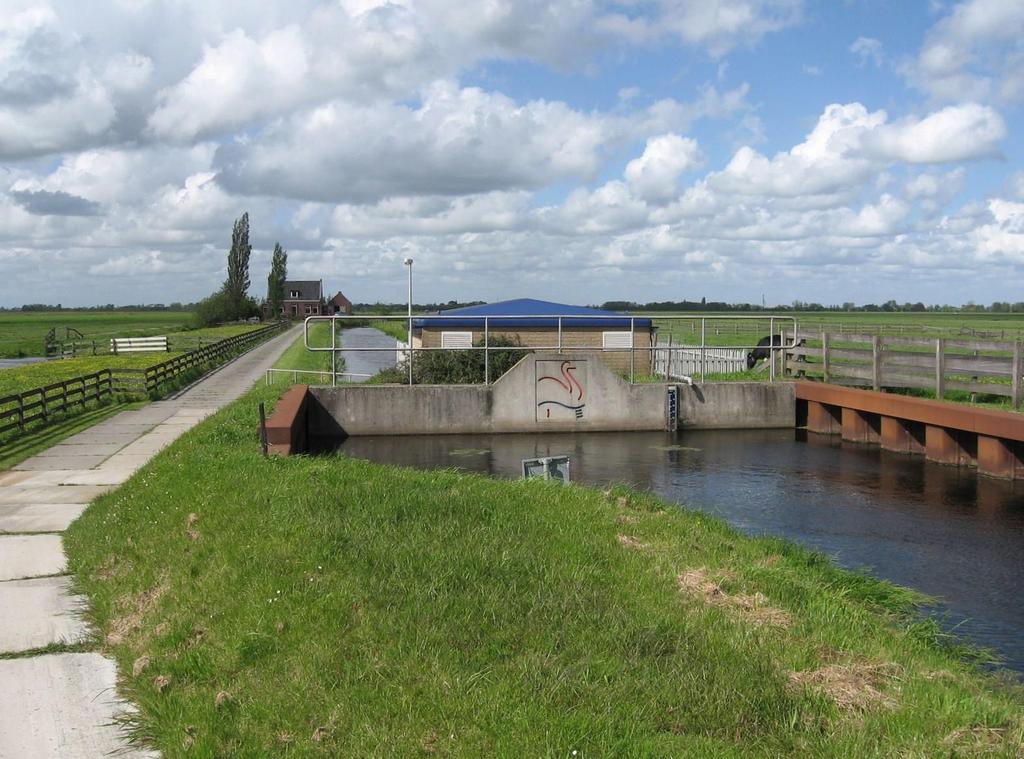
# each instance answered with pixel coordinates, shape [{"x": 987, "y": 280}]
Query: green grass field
[
  {"x": 20, "y": 378},
  {"x": 326, "y": 607},
  {"x": 22, "y": 333},
  {"x": 722, "y": 331}
]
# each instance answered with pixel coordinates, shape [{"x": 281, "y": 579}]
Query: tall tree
[
  {"x": 236, "y": 286},
  {"x": 275, "y": 282}
]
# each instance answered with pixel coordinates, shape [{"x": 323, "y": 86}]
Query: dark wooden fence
[
  {"x": 39, "y": 404},
  {"x": 982, "y": 367},
  {"x": 20, "y": 410}
]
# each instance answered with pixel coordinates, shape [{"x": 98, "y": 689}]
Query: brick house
[
  {"x": 339, "y": 304},
  {"x": 593, "y": 329},
  {"x": 302, "y": 298}
]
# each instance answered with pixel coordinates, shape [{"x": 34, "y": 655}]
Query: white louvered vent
[
  {"x": 456, "y": 339},
  {"x": 617, "y": 340}
]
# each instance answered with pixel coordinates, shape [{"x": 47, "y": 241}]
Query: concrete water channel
[{"x": 945, "y": 531}]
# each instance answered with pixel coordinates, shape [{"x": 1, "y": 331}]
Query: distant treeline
[
  {"x": 889, "y": 306},
  {"x": 401, "y": 308},
  {"x": 104, "y": 307}
]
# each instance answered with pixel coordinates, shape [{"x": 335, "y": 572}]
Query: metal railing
[
  {"x": 321, "y": 374},
  {"x": 560, "y": 325}
]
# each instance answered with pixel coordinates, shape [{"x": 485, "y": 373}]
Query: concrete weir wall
[
  {"x": 542, "y": 393},
  {"x": 545, "y": 393},
  {"x": 737, "y": 405}
]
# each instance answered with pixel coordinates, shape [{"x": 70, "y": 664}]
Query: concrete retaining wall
[
  {"x": 737, "y": 405},
  {"x": 545, "y": 393},
  {"x": 399, "y": 410}
]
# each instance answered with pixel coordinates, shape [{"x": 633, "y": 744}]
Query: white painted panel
[
  {"x": 456, "y": 339},
  {"x": 617, "y": 340}
]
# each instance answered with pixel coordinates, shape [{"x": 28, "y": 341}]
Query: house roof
[
  {"x": 309, "y": 289},
  {"x": 512, "y": 313},
  {"x": 340, "y": 298}
]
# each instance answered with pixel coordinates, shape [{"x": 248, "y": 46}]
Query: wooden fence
[
  {"x": 983, "y": 367},
  {"x": 83, "y": 347},
  {"x": 40, "y": 403},
  {"x": 20, "y": 410}
]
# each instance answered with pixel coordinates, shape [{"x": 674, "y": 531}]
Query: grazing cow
[{"x": 763, "y": 350}]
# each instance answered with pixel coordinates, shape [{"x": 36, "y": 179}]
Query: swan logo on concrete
[{"x": 561, "y": 390}]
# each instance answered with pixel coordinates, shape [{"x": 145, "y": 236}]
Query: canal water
[{"x": 941, "y": 530}]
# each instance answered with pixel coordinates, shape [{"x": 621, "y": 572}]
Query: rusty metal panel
[{"x": 1001, "y": 424}]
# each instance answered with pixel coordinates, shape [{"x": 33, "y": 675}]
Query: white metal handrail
[
  {"x": 320, "y": 373},
  {"x": 774, "y": 323}
]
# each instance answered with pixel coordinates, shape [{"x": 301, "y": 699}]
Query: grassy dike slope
[{"x": 332, "y": 607}]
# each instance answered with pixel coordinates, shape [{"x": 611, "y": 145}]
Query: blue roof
[{"x": 522, "y": 307}]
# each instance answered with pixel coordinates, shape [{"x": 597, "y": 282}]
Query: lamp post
[{"x": 408, "y": 262}]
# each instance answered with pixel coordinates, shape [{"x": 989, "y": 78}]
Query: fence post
[
  {"x": 632, "y": 351},
  {"x": 940, "y": 367},
  {"x": 1018, "y": 370},
  {"x": 876, "y": 362},
  {"x": 702, "y": 338},
  {"x": 825, "y": 357}
]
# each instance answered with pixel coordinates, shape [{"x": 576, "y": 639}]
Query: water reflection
[{"x": 941, "y": 530}]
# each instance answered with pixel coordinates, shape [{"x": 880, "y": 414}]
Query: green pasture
[
  {"x": 20, "y": 378},
  {"x": 720, "y": 330},
  {"x": 23, "y": 333},
  {"x": 329, "y": 607}
]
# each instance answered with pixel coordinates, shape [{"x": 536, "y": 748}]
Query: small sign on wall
[{"x": 561, "y": 390}]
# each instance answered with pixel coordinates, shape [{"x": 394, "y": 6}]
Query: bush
[
  {"x": 455, "y": 367},
  {"x": 218, "y": 309}
]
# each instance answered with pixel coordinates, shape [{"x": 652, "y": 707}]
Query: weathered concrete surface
[
  {"x": 604, "y": 399},
  {"x": 23, "y": 556},
  {"x": 50, "y": 494},
  {"x": 509, "y": 405},
  {"x": 737, "y": 405},
  {"x": 38, "y": 613},
  {"x": 64, "y": 705},
  {"x": 61, "y": 706},
  {"x": 38, "y": 517},
  {"x": 513, "y": 404},
  {"x": 399, "y": 410}
]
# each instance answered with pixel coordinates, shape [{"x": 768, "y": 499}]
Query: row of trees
[
  {"x": 232, "y": 301},
  {"x": 890, "y": 306}
]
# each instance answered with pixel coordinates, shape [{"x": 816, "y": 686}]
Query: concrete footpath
[{"x": 65, "y": 705}]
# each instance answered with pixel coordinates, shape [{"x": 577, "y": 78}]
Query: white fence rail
[
  {"x": 138, "y": 345},
  {"x": 402, "y": 351},
  {"x": 687, "y": 361}
]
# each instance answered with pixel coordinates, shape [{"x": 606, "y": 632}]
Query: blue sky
[{"x": 579, "y": 150}]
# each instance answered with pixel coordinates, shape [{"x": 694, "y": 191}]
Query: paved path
[
  {"x": 10, "y": 363},
  {"x": 370, "y": 362},
  {"x": 64, "y": 705}
]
